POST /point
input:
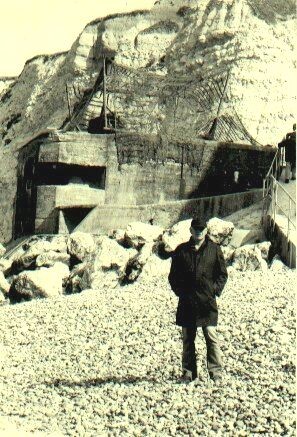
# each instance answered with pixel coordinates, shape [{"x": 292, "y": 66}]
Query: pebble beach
[{"x": 107, "y": 362}]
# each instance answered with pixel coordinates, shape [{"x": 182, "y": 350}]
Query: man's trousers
[{"x": 214, "y": 360}]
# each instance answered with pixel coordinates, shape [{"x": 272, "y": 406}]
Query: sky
[{"x": 32, "y": 27}]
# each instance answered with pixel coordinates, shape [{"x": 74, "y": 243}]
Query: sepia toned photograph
[{"x": 148, "y": 218}]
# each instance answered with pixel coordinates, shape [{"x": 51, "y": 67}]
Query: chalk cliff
[{"x": 168, "y": 67}]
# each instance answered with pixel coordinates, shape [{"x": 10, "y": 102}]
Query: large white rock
[
  {"x": 228, "y": 253},
  {"x": 45, "y": 282},
  {"x": 5, "y": 265},
  {"x": 277, "y": 265},
  {"x": 2, "y": 250},
  {"x": 264, "y": 248},
  {"x": 59, "y": 243},
  {"x": 118, "y": 235},
  {"x": 74, "y": 282},
  {"x": 220, "y": 231},
  {"x": 61, "y": 269},
  {"x": 37, "y": 247},
  {"x": 135, "y": 264},
  {"x": 155, "y": 267},
  {"x": 50, "y": 258},
  {"x": 240, "y": 237},
  {"x": 138, "y": 233},
  {"x": 107, "y": 265},
  {"x": 81, "y": 244},
  {"x": 178, "y": 234},
  {"x": 4, "y": 284},
  {"x": 248, "y": 258}
]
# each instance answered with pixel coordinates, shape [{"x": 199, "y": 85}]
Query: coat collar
[{"x": 192, "y": 243}]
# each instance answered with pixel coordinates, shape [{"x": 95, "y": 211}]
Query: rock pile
[{"x": 47, "y": 267}]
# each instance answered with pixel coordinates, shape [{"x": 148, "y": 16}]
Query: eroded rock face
[
  {"x": 248, "y": 257},
  {"x": 180, "y": 42}
]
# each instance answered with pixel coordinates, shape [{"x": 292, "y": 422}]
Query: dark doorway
[
  {"x": 25, "y": 211},
  {"x": 73, "y": 217}
]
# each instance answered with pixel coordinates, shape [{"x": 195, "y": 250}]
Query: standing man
[
  {"x": 289, "y": 143},
  {"x": 198, "y": 274}
]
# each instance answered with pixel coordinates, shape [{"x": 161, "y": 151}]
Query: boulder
[
  {"x": 45, "y": 282},
  {"x": 264, "y": 248},
  {"x": 277, "y": 265},
  {"x": 5, "y": 265},
  {"x": 178, "y": 234},
  {"x": 62, "y": 270},
  {"x": 48, "y": 259},
  {"x": 107, "y": 266},
  {"x": 74, "y": 281},
  {"x": 118, "y": 235},
  {"x": 4, "y": 284},
  {"x": 135, "y": 264},
  {"x": 220, "y": 231},
  {"x": 2, "y": 250},
  {"x": 240, "y": 237},
  {"x": 34, "y": 249},
  {"x": 138, "y": 233},
  {"x": 228, "y": 253},
  {"x": 248, "y": 258},
  {"x": 155, "y": 267},
  {"x": 59, "y": 243},
  {"x": 2, "y": 298},
  {"x": 81, "y": 244}
]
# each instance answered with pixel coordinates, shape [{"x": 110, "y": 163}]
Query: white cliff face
[
  {"x": 158, "y": 58},
  {"x": 5, "y": 82}
]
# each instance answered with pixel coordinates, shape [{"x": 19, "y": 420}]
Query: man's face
[{"x": 197, "y": 234}]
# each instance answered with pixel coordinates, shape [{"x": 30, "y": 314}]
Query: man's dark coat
[{"x": 197, "y": 277}]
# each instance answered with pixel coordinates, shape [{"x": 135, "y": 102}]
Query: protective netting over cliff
[{"x": 205, "y": 95}]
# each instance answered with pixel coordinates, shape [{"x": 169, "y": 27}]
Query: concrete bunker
[{"x": 66, "y": 175}]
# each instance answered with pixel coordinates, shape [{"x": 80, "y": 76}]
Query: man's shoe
[
  {"x": 215, "y": 377},
  {"x": 187, "y": 376},
  {"x": 287, "y": 181}
]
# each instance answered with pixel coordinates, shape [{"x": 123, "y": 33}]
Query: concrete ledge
[
  {"x": 106, "y": 217},
  {"x": 78, "y": 195},
  {"x": 284, "y": 247}
]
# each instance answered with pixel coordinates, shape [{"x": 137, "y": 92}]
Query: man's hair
[{"x": 198, "y": 225}]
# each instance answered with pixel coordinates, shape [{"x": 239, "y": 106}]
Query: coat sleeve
[
  {"x": 176, "y": 277},
  {"x": 221, "y": 272}
]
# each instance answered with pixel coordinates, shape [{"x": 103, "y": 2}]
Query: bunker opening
[{"x": 64, "y": 174}]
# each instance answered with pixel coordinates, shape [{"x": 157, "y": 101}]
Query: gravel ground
[{"x": 107, "y": 363}]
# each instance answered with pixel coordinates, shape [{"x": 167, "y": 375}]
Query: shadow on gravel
[{"x": 111, "y": 380}]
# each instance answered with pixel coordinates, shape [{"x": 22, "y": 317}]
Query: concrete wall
[
  {"x": 144, "y": 170},
  {"x": 51, "y": 198},
  {"x": 284, "y": 247},
  {"x": 108, "y": 217},
  {"x": 78, "y": 149}
]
